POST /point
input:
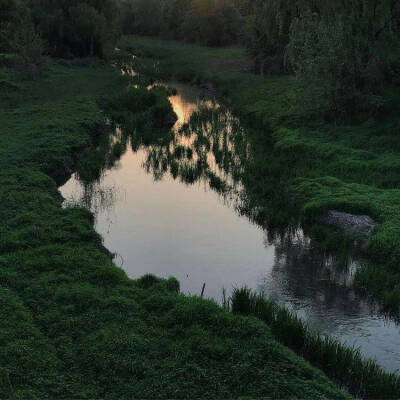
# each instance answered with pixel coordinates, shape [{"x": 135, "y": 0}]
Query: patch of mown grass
[
  {"x": 302, "y": 167},
  {"x": 72, "y": 324},
  {"x": 363, "y": 378}
]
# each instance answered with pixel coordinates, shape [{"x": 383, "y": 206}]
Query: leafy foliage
[
  {"x": 343, "y": 58},
  {"x": 76, "y": 28},
  {"x": 209, "y": 22},
  {"x": 342, "y": 53}
]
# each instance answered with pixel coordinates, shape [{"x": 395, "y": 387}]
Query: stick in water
[{"x": 202, "y": 290}]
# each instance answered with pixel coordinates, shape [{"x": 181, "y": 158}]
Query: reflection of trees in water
[
  {"x": 210, "y": 148},
  {"x": 214, "y": 148},
  {"x": 104, "y": 156},
  {"x": 310, "y": 278},
  {"x": 94, "y": 195}
]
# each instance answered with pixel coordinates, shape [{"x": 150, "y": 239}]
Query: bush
[
  {"x": 341, "y": 72},
  {"x": 8, "y": 18},
  {"x": 209, "y": 22},
  {"x": 13, "y": 14},
  {"x": 212, "y": 23},
  {"x": 29, "y": 47},
  {"x": 268, "y": 34},
  {"x": 77, "y": 28}
]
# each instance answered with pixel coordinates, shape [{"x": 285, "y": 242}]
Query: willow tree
[
  {"x": 269, "y": 31},
  {"x": 275, "y": 22},
  {"x": 12, "y": 13},
  {"x": 343, "y": 56}
]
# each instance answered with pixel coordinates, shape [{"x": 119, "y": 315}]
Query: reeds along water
[{"x": 345, "y": 365}]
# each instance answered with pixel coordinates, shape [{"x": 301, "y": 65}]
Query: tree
[
  {"x": 77, "y": 27},
  {"x": 268, "y": 33},
  {"x": 342, "y": 57},
  {"x": 211, "y": 22},
  {"x": 12, "y": 13},
  {"x": 174, "y": 14}
]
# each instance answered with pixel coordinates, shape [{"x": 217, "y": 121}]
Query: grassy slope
[
  {"x": 72, "y": 324},
  {"x": 348, "y": 168}
]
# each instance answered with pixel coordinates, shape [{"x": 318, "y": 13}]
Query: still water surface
[{"x": 163, "y": 214}]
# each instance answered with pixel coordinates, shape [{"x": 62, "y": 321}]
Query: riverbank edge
[
  {"x": 338, "y": 172},
  {"x": 73, "y": 324},
  {"x": 345, "y": 365}
]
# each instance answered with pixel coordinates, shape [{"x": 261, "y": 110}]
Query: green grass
[
  {"x": 346, "y": 366},
  {"x": 301, "y": 167},
  {"x": 73, "y": 326},
  {"x": 185, "y": 62}
]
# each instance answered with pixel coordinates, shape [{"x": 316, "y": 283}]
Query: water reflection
[{"x": 164, "y": 203}]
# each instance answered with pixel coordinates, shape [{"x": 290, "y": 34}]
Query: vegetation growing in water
[{"x": 346, "y": 366}]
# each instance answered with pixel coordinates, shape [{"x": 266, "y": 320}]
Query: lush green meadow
[
  {"x": 73, "y": 325},
  {"x": 304, "y": 164}
]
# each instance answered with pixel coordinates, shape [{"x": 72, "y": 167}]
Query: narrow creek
[{"x": 173, "y": 207}]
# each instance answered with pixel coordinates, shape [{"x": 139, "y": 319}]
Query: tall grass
[{"x": 345, "y": 365}]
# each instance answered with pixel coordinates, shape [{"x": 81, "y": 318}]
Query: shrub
[
  {"x": 212, "y": 23},
  {"x": 77, "y": 28},
  {"x": 29, "y": 48},
  {"x": 343, "y": 54}
]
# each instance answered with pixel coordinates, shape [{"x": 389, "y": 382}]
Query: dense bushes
[
  {"x": 268, "y": 33},
  {"x": 209, "y": 22},
  {"x": 12, "y": 16},
  {"x": 8, "y": 14},
  {"x": 343, "y": 54},
  {"x": 77, "y": 27},
  {"x": 212, "y": 23},
  {"x": 19, "y": 36},
  {"x": 343, "y": 59}
]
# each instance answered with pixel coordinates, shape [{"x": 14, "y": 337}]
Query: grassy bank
[
  {"x": 301, "y": 163},
  {"x": 73, "y": 325},
  {"x": 346, "y": 366}
]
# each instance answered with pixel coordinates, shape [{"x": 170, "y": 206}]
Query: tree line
[{"x": 342, "y": 52}]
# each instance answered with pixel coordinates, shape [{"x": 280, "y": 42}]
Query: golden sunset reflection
[{"x": 182, "y": 109}]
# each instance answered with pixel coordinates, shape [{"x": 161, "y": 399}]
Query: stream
[{"x": 175, "y": 207}]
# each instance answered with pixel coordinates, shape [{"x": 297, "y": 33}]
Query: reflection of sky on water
[{"x": 193, "y": 233}]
